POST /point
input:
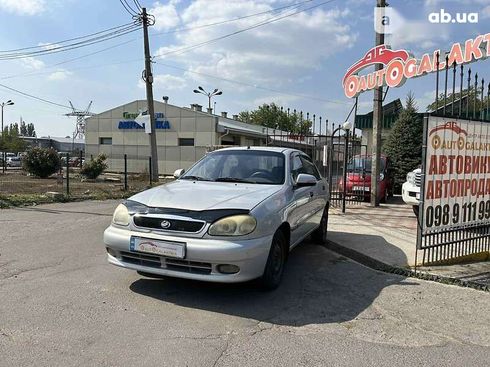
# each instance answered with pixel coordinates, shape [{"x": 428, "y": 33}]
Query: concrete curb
[{"x": 386, "y": 268}]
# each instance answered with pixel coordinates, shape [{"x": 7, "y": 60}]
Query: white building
[{"x": 183, "y": 135}]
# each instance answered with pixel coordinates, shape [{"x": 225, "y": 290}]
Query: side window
[
  {"x": 309, "y": 167},
  {"x": 296, "y": 166}
]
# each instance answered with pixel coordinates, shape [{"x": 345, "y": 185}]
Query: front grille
[
  {"x": 418, "y": 179},
  {"x": 175, "y": 224},
  {"x": 185, "y": 266}
]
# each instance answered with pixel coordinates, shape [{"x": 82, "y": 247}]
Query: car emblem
[{"x": 165, "y": 224}]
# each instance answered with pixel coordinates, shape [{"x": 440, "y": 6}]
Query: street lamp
[
  {"x": 3, "y": 104},
  {"x": 215, "y": 92}
]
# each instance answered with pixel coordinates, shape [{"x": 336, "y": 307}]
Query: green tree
[
  {"x": 404, "y": 144},
  {"x": 30, "y": 130},
  {"x": 10, "y": 141},
  {"x": 271, "y": 116},
  {"x": 23, "y": 128},
  {"x": 468, "y": 103}
]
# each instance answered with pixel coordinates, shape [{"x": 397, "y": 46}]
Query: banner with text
[{"x": 457, "y": 174}]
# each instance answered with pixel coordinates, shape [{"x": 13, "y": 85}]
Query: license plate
[
  {"x": 360, "y": 188},
  {"x": 162, "y": 248}
]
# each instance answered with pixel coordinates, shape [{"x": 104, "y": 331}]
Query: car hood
[{"x": 203, "y": 195}]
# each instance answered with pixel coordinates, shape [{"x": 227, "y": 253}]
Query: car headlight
[
  {"x": 381, "y": 176},
  {"x": 236, "y": 225},
  {"x": 123, "y": 212},
  {"x": 121, "y": 215}
]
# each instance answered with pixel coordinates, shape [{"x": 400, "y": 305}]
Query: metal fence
[{"x": 68, "y": 182}]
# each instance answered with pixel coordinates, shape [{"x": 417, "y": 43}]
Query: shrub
[
  {"x": 94, "y": 167},
  {"x": 42, "y": 162}
]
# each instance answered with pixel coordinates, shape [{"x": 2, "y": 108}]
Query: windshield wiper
[
  {"x": 195, "y": 178},
  {"x": 233, "y": 179}
]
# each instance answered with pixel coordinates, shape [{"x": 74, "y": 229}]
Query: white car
[
  {"x": 14, "y": 162},
  {"x": 411, "y": 189},
  {"x": 232, "y": 217}
]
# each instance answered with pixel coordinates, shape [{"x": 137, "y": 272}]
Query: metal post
[
  {"x": 67, "y": 174},
  {"x": 454, "y": 88},
  {"x": 481, "y": 111},
  {"x": 445, "y": 83},
  {"x": 475, "y": 96},
  {"x": 80, "y": 159},
  {"x": 461, "y": 91},
  {"x": 377, "y": 123},
  {"x": 125, "y": 172},
  {"x": 149, "y": 97},
  {"x": 468, "y": 94},
  {"x": 150, "y": 169},
  {"x": 346, "y": 153},
  {"x": 437, "y": 81}
]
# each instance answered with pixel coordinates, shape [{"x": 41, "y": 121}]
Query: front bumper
[
  {"x": 410, "y": 194},
  {"x": 202, "y": 260}
]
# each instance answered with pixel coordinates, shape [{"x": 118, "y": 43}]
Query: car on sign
[
  {"x": 358, "y": 178},
  {"x": 233, "y": 216}
]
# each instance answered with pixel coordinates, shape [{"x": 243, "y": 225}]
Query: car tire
[
  {"x": 416, "y": 210},
  {"x": 320, "y": 234},
  {"x": 150, "y": 275},
  {"x": 274, "y": 267}
]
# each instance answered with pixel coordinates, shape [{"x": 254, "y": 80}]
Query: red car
[{"x": 359, "y": 178}]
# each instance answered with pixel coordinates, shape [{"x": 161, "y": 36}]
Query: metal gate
[{"x": 340, "y": 157}]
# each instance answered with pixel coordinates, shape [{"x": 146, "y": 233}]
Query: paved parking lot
[{"x": 62, "y": 305}]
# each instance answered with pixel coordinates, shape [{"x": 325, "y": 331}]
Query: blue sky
[{"x": 303, "y": 56}]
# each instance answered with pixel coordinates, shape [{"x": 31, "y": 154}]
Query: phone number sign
[{"x": 457, "y": 174}]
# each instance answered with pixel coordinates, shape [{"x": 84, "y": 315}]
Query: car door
[{"x": 300, "y": 207}]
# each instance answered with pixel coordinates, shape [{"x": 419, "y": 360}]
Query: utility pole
[
  {"x": 148, "y": 77},
  {"x": 377, "y": 124}
]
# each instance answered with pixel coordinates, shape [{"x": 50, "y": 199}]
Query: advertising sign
[
  {"x": 457, "y": 174},
  {"x": 400, "y": 66},
  {"x": 134, "y": 121}
]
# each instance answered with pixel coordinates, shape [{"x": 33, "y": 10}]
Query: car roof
[{"x": 261, "y": 148}]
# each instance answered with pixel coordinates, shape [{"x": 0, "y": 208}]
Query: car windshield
[
  {"x": 362, "y": 164},
  {"x": 242, "y": 166}
]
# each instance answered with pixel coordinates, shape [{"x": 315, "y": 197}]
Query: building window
[
  {"x": 186, "y": 142},
  {"x": 105, "y": 141}
]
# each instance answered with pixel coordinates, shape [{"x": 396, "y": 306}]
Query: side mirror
[
  {"x": 179, "y": 172},
  {"x": 304, "y": 179}
]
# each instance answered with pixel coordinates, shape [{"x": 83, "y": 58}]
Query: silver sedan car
[{"x": 233, "y": 216}]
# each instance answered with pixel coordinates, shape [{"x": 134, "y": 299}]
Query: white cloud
[
  {"x": 33, "y": 63},
  {"x": 420, "y": 35},
  {"x": 166, "y": 82},
  {"x": 274, "y": 55},
  {"x": 23, "y": 7},
  {"x": 166, "y": 16},
  {"x": 59, "y": 75}
]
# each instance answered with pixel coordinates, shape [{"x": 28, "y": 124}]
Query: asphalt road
[{"x": 61, "y": 304}]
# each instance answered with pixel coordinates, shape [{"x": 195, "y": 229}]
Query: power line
[
  {"x": 127, "y": 7},
  {"x": 33, "y": 97},
  {"x": 68, "y": 40},
  {"x": 137, "y": 4},
  {"x": 256, "y": 25},
  {"x": 296, "y": 5},
  {"x": 73, "y": 46},
  {"x": 251, "y": 85}
]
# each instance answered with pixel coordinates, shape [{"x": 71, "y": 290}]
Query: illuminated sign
[
  {"x": 131, "y": 123},
  {"x": 400, "y": 66}
]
